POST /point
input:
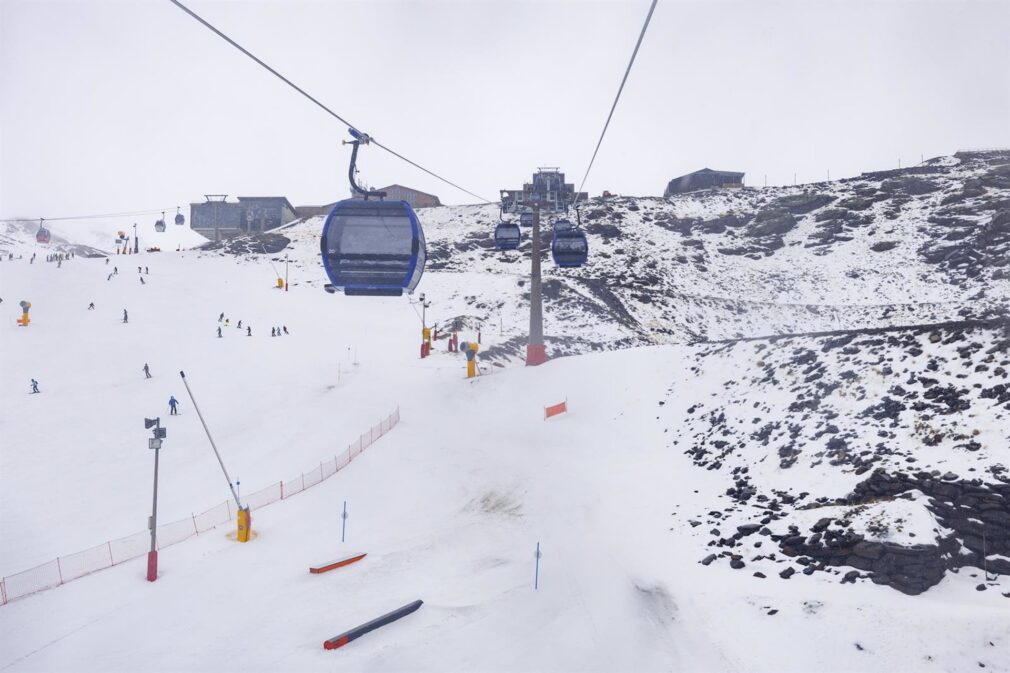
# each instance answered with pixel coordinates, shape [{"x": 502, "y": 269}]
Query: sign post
[
  {"x": 159, "y": 433},
  {"x": 343, "y": 525}
]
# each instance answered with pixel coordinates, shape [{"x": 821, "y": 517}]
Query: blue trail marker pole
[
  {"x": 343, "y": 525},
  {"x": 536, "y": 577}
]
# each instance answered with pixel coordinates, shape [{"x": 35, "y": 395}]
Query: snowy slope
[
  {"x": 623, "y": 493},
  {"x": 88, "y": 238},
  {"x": 892, "y": 248}
]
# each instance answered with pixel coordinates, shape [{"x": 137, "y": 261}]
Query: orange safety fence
[{"x": 64, "y": 569}]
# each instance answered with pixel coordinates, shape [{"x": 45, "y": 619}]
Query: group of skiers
[
  {"x": 226, "y": 322},
  {"x": 58, "y": 257}
]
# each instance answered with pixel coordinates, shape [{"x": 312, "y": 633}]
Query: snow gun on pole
[{"x": 244, "y": 517}]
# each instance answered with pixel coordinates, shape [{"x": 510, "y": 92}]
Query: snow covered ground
[{"x": 452, "y": 503}]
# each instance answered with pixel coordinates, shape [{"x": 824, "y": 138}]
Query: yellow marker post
[
  {"x": 244, "y": 524},
  {"x": 280, "y": 283}
]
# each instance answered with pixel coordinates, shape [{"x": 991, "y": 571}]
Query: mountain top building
[{"x": 706, "y": 178}]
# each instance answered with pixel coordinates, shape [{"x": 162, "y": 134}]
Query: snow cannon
[
  {"x": 470, "y": 349},
  {"x": 425, "y": 342},
  {"x": 244, "y": 520},
  {"x": 25, "y": 305}
]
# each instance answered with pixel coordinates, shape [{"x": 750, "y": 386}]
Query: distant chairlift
[
  {"x": 180, "y": 219},
  {"x": 160, "y": 224},
  {"x": 570, "y": 247},
  {"x": 370, "y": 246},
  {"x": 507, "y": 235},
  {"x": 42, "y": 235}
]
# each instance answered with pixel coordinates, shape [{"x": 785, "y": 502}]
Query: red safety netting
[
  {"x": 175, "y": 532},
  {"x": 312, "y": 478},
  {"x": 131, "y": 546},
  {"x": 264, "y": 496},
  {"x": 215, "y": 516},
  {"x": 72, "y": 566},
  {"x": 289, "y": 488},
  {"x": 45, "y": 576},
  {"x": 85, "y": 562}
]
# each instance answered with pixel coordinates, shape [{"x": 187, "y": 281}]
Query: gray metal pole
[
  {"x": 536, "y": 353},
  {"x": 154, "y": 507},
  {"x": 212, "y": 444}
]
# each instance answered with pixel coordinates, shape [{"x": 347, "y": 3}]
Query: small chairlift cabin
[
  {"x": 371, "y": 246},
  {"x": 42, "y": 235},
  {"x": 570, "y": 247},
  {"x": 507, "y": 235},
  {"x": 160, "y": 224},
  {"x": 180, "y": 219}
]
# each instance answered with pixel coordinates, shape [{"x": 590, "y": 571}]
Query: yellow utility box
[{"x": 244, "y": 524}]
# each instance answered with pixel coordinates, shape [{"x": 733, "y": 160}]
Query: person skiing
[
  {"x": 273, "y": 331},
  {"x": 126, "y": 316},
  {"x": 220, "y": 317},
  {"x": 146, "y": 272},
  {"x": 172, "y": 404},
  {"x": 91, "y": 306},
  {"x": 35, "y": 386},
  {"x": 219, "y": 332},
  {"x": 285, "y": 329},
  {"x": 248, "y": 330},
  {"x": 106, "y": 261},
  {"x": 115, "y": 271},
  {"x": 138, "y": 269},
  {"x": 147, "y": 371},
  {"x": 142, "y": 282},
  {"x": 239, "y": 324}
]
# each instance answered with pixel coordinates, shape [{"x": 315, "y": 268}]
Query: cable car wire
[
  {"x": 88, "y": 217},
  {"x": 316, "y": 101},
  {"x": 627, "y": 71}
]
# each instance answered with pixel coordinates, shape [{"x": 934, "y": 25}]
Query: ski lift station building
[
  {"x": 217, "y": 217},
  {"x": 548, "y": 186},
  {"x": 706, "y": 178}
]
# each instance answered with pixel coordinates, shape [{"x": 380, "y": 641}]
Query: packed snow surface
[{"x": 451, "y": 505}]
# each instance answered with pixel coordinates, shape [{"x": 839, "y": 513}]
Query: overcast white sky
[{"x": 110, "y": 105}]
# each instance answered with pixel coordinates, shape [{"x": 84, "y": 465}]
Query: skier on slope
[
  {"x": 147, "y": 371},
  {"x": 248, "y": 330},
  {"x": 126, "y": 316},
  {"x": 218, "y": 332},
  {"x": 35, "y": 386},
  {"x": 172, "y": 405}
]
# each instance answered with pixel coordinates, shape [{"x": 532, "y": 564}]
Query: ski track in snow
[{"x": 451, "y": 503}]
